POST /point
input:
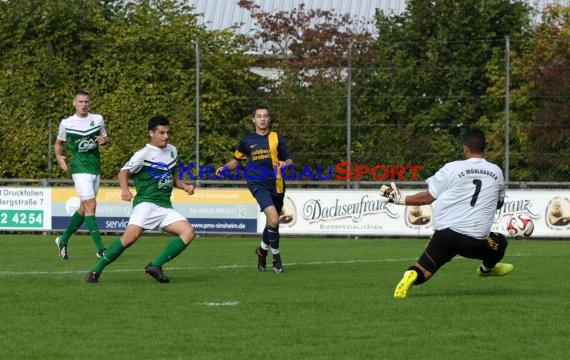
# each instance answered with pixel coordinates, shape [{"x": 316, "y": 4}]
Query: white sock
[{"x": 485, "y": 269}]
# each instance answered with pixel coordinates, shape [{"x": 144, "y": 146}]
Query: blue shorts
[{"x": 267, "y": 198}]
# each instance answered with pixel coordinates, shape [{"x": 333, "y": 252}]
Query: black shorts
[
  {"x": 267, "y": 198},
  {"x": 445, "y": 244}
]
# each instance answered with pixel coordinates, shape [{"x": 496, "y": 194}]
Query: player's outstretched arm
[{"x": 392, "y": 194}]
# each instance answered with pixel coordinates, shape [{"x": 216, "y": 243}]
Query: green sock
[
  {"x": 94, "y": 231},
  {"x": 115, "y": 250},
  {"x": 74, "y": 224},
  {"x": 172, "y": 249}
]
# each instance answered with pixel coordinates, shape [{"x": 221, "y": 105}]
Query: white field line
[
  {"x": 7, "y": 273},
  {"x": 224, "y": 303}
]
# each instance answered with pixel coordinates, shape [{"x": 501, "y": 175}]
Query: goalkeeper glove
[{"x": 391, "y": 194}]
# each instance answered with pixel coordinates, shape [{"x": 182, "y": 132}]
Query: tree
[
  {"x": 40, "y": 43},
  {"x": 547, "y": 145},
  {"x": 137, "y": 59},
  {"x": 309, "y": 49},
  {"x": 431, "y": 77}
]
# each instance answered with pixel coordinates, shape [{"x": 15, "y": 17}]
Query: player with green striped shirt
[
  {"x": 153, "y": 171},
  {"x": 82, "y": 134}
]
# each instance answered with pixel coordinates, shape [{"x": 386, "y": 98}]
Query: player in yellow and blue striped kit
[{"x": 267, "y": 154}]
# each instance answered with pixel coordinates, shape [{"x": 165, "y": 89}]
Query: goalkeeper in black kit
[{"x": 468, "y": 193}]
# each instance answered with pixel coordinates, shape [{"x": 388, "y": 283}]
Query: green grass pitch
[{"x": 334, "y": 301}]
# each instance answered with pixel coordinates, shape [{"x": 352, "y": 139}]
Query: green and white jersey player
[
  {"x": 81, "y": 135},
  {"x": 153, "y": 170}
]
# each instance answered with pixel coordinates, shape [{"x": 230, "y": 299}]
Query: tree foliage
[
  {"x": 137, "y": 59},
  {"x": 310, "y": 50},
  {"x": 431, "y": 77},
  {"x": 435, "y": 68},
  {"x": 548, "y": 146}
]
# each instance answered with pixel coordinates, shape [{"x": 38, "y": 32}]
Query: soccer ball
[{"x": 520, "y": 226}]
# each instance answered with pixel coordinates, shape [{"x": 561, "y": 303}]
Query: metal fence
[{"x": 359, "y": 138}]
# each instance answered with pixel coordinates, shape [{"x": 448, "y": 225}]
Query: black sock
[{"x": 421, "y": 278}]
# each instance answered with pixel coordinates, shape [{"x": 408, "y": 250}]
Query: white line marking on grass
[
  {"x": 225, "y": 303},
  {"x": 20, "y": 273},
  {"x": 219, "y": 267},
  {"x": 335, "y": 262}
]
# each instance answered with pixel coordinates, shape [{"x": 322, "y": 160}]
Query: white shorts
[
  {"x": 150, "y": 216},
  {"x": 86, "y": 185}
]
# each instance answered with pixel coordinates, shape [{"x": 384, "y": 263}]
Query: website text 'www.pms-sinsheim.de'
[{"x": 340, "y": 171}]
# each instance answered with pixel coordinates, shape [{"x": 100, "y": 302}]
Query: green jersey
[
  {"x": 79, "y": 134},
  {"x": 152, "y": 170}
]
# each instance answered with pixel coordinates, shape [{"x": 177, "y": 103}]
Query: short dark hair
[
  {"x": 261, "y": 107},
  {"x": 157, "y": 121},
  {"x": 474, "y": 139},
  {"x": 81, "y": 92}
]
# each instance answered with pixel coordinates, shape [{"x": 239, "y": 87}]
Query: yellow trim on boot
[
  {"x": 405, "y": 284},
  {"x": 501, "y": 269}
]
